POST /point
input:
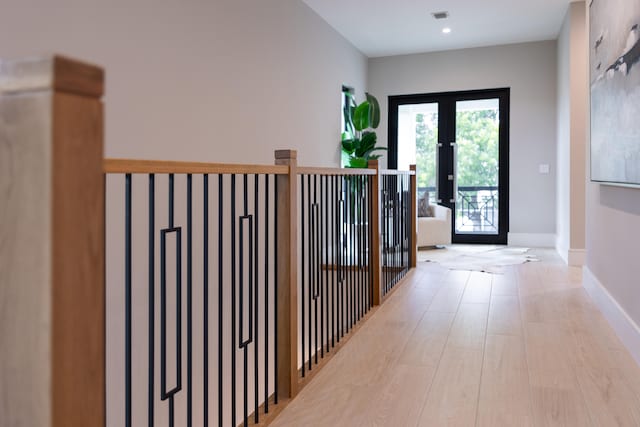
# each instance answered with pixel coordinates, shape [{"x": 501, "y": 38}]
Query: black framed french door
[{"x": 460, "y": 143}]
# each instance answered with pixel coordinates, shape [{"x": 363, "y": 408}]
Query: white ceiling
[{"x": 395, "y": 27}]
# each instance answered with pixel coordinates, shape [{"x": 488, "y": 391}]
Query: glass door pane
[
  {"x": 476, "y": 159},
  {"x": 418, "y": 144}
]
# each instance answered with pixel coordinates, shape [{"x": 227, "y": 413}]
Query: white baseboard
[
  {"x": 534, "y": 240},
  {"x": 563, "y": 251},
  {"x": 624, "y": 326},
  {"x": 576, "y": 257}
]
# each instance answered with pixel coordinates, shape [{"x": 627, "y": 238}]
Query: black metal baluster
[
  {"x": 189, "y": 301},
  {"x": 256, "y": 346},
  {"x": 220, "y": 292},
  {"x": 360, "y": 246},
  {"x": 316, "y": 265},
  {"x": 396, "y": 230},
  {"x": 233, "y": 300},
  {"x": 348, "y": 253},
  {"x": 365, "y": 236},
  {"x": 353, "y": 252},
  {"x": 345, "y": 258},
  {"x": 385, "y": 226},
  {"x": 170, "y": 394},
  {"x": 310, "y": 272},
  {"x": 321, "y": 243},
  {"x": 355, "y": 249},
  {"x": 339, "y": 250},
  {"x": 275, "y": 292},
  {"x": 151, "y": 330},
  {"x": 405, "y": 217},
  {"x": 241, "y": 302},
  {"x": 326, "y": 264},
  {"x": 302, "y": 246},
  {"x": 205, "y": 299},
  {"x": 266, "y": 294},
  {"x": 334, "y": 266},
  {"x": 127, "y": 287}
]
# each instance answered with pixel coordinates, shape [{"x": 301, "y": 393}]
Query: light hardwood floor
[{"x": 455, "y": 348}]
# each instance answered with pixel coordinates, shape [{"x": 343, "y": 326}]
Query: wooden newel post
[
  {"x": 52, "y": 290},
  {"x": 376, "y": 226},
  {"x": 287, "y": 270},
  {"x": 413, "y": 252}
]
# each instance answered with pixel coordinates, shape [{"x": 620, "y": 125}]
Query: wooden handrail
[
  {"x": 396, "y": 172},
  {"x": 158, "y": 166},
  {"x": 334, "y": 171}
]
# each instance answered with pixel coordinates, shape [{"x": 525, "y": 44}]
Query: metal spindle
[
  {"x": 220, "y": 292},
  {"x": 151, "y": 330},
  {"x": 302, "y": 236},
  {"x": 256, "y": 374},
  {"x": 233, "y": 300},
  {"x": 205, "y": 298},
  {"x": 266, "y": 294},
  {"x": 189, "y": 301},
  {"x": 127, "y": 285}
]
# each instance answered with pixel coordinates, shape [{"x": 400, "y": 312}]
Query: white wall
[
  {"x": 571, "y": 135},
  {"x": 563, "y": 178},
  {"x": 530, "y": 71},
  {"x": 223, "y": 80},
  {"x": 612, "y": 270}
]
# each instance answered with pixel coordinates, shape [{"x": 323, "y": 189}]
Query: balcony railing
[
  {"x": 476, "y": 208},
  {"x": 170, "y": 293}
]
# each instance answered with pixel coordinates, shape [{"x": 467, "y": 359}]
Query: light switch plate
[{"x": 543, "y": 168}]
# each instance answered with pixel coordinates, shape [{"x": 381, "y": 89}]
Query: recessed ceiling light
[{"x": 446, "y": 30}]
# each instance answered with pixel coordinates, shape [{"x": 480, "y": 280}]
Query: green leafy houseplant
[{"x": 359, "y": 139}]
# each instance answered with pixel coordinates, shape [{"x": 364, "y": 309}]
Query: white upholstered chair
[{"x": 435, "y": 230}]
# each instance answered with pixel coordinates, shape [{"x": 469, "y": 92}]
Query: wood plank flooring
[{"x": 457, "y": 348}]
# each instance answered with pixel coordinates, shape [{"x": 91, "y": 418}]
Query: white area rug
[{"x": 487, "y": 258}]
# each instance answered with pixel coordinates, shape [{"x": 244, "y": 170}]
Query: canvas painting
[{"x": 614, "y": 45}]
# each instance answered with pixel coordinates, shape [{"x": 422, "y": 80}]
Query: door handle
[
  {"x": 438, "y": 146},
  {"x": 454, "y": 146}
]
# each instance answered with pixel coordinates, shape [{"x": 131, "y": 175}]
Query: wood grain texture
[
  {"x": 52, "y": 357},
  {"x": 478, "y": 290},
  {"x": 76, "y": 77},
  {"x": 504, "y": 316},
  {"x": 504, "y": 394},
  {"x": 453, "y": 397},
  {"x": 25, "y": 259},
  {"x": 423, "y": 347},
  {"x": 396, "y": 172},
  {"x": 163, "y": 167},
  {"x": 287, "y": 271},
  {"x": 334, "y": 171},
  {"x": 78, "y": 305},
  {"x": 376, "y": 265}
]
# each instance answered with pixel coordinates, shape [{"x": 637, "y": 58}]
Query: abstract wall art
[{"x": 614, "y": 52}]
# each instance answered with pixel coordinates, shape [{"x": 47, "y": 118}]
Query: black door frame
[{"x": 447, "y": 134}]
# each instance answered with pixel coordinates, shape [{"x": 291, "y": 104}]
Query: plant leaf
[
  {"x": 361, "y": 116},
  {"x": 368, "y": 152},
  {"x": 368, "y": 142},
  {"x": 374, "y": 111},
  {"x": 348, "y": 146}
]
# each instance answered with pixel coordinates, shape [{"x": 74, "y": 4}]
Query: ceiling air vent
[{"x": 440, "y": 15}]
